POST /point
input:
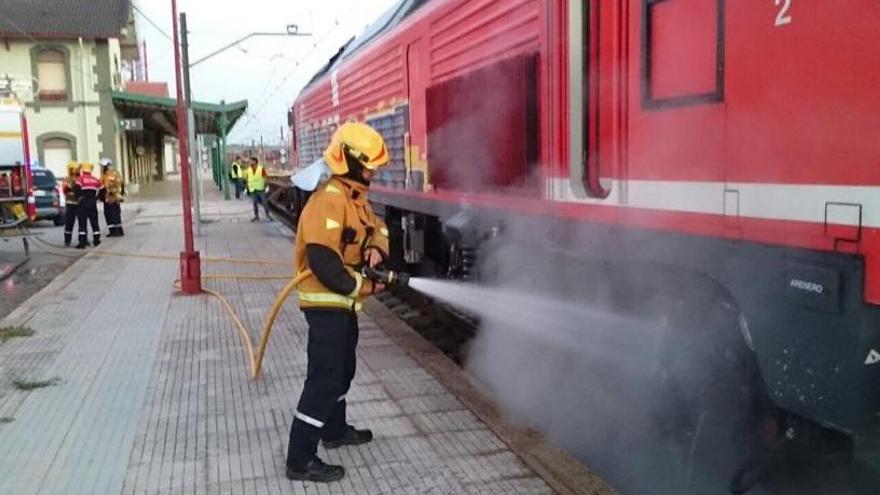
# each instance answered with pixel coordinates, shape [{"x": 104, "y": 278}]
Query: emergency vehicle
[{"x": 17, "y": 202}]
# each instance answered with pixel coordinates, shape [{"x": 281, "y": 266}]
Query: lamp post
[{"x": 190, "y": 263}]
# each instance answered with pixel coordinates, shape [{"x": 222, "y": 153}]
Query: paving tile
[{"x": 154, "y": 395}]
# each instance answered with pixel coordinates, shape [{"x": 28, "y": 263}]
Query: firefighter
[
  {"x": 235, "y": 175},
  {"x": 87, "y": 190},
  {"x": 71, "y": 205},
  {"x": 338, "y": 234},
  {"x": 255, "y": 179},
  {"x": 114, "y": 191}
]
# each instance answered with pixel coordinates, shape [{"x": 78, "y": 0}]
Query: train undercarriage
[{"x": 709, "y": 393}]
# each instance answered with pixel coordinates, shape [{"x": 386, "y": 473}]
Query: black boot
[
  {"x": 96, "y": 240},
  {"x": 352, "y": 436},
  {"x": 119, "y": 232},
  {"x": 67, "y": 239},
  {"x": 316, "y": 470},
  {"x": 83, "y": 242}
]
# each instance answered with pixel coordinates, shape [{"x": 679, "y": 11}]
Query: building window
[{"x": 52, "y": 79}]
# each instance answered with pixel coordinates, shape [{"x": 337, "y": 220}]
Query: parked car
[{"x": 47, "y": 196}]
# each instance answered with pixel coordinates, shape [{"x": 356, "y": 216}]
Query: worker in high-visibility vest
[
  {"x": 235, "y": 176},
  {"x": 338, "y": 235},
  {"x": 71, "y": 203},
  {"x": 114, "y": 191},
  {"x": 255, "y": 180}
]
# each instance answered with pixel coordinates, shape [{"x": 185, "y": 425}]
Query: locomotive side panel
[
  {"x": 676, "y": 118},
  {"x": 802, "y": 91}
]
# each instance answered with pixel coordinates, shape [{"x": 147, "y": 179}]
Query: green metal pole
[
  {"x": 224, "y": 167},
  {"x": 215, "y": 164}
]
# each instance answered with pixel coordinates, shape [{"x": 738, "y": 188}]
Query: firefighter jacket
[
  {"x": 255, "y": 178},
  {"x": 87, "y": 188},
  {"x": 335, "y": 228},
  {"x": 68, "y": 188},
  {"x": 113, "y": 186}
]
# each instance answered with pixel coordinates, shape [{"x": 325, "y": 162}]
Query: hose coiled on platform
[{"x": 255, "y": 359}]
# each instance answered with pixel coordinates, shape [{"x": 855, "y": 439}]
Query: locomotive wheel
[{"x": 709, "y": 396}]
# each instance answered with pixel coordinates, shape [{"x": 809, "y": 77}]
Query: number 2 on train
[{"x": 783, "y": 17}]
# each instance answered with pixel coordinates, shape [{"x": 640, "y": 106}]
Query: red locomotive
[{"x": 727, "y": 149}]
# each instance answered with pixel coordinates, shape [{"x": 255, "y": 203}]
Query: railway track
[{"x": 446, "y": 328}]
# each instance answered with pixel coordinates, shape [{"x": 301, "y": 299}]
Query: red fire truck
[{"x": 17, "y": 203}]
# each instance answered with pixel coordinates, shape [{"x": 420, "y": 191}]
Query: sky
[{"x": 268, "y": 72}]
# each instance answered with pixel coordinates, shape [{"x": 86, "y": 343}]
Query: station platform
[{"x": 127, "y": 386}]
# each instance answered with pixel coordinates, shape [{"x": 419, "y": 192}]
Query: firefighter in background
[
  {"x": 87, "y": 190},
  {"x": 338, "y": 234},
  {"x": 235, "y": 175},
  {"x": 114, "y": 191},
  {"x": 255, "y": 179},
  {"x": 71, "y": 204}
]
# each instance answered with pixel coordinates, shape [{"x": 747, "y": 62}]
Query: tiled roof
[{"x": 63, "y": 18}]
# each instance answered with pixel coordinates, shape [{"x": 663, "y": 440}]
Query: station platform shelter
[{"x": 149, "y": 149}]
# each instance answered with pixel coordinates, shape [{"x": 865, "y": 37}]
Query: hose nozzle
[{"x": 387, "y": 277}]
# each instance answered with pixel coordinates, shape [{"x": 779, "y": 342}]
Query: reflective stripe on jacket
[
  {"x": 339, "y": 217},
  {"x": 255, "y": 179},
  {"x": 87, "y": 187}
]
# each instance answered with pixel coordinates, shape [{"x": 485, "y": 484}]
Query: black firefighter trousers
[
  {"x": 71, "y": 212},
  {"x": 88, "y": 212},
  {"x": 113, "y": 217},
  {"x": 333, "y": 337}
]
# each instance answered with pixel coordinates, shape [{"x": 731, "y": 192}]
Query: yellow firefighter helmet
[
  {"x": 86, "y": 167},
  {"x": 359, "y": 141},
  {"x": 72, "y": 168}
]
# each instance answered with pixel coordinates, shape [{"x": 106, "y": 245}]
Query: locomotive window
[
  {"x": 482, "y": 128},
  {"x": 682, "y": 52}
]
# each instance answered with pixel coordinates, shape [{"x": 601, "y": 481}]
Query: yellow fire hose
[{"x": 255, "y": 359}]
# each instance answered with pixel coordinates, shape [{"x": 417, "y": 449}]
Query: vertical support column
[
  {"x": 215, "y": 162},
  {"x": 191, "y": 125},
  {"x": 190, "y": 263},
  {"x": 224, "y": 169}
]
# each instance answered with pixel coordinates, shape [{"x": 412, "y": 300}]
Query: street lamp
[{"x": 190, "y": 264}]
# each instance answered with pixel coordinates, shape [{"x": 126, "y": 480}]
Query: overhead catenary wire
[
  {"x": 150, "y": 21},
  {"x": 338, "y": 23}
]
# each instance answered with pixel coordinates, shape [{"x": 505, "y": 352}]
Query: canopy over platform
[
  {"x": 150, "y": 121},
  {"x": 160, "y": 113}
]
